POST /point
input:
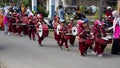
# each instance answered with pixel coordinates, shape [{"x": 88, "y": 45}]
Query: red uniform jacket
[{"x": 63, "y": 31}]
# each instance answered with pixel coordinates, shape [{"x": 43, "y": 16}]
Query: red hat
[
  {"x": 17, "y": 15},
  {"x": 96, "y": 23},
  {"x": 56, "y": 17},
  {"x": 31, "y": 16},
  {"x": 39, "y": 15},
  {"x": 80, "y": 23},
  {"x": 102, "y": 23}
]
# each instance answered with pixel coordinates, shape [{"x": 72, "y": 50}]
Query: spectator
[
  {"x": 61, "y": 12},
  {"x": 5, "y": 21},
  {"x": 116, "y": 37}
]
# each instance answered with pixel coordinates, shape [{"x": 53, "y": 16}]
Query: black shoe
[
  {"x": 34, "y": 39},
  {"x": 83, "y": 55},
  {"x": 41, "y": 45},
  {"x": 85, "y": 52},
  {"x": 61, "y": 47},
  {"x": 72, "y": 44}
]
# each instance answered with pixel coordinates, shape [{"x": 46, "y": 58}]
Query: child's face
[
  {"x": 62, "y": 24},
  {"x": 58, "y": 19}
]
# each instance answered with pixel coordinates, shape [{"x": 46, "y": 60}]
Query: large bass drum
[
  {"x": 74, "y": 31},
  {"x": 43, "y": 30}
]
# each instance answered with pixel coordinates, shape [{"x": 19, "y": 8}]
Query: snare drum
[
  {"x": 109, "y": 39},
  {"x": 103, "y": 40},
  {"x": 89, "y": 41},
  {"x": 67, "y": 36}
]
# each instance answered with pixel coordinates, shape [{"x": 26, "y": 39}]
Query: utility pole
[{"x": 100, "y": 13}]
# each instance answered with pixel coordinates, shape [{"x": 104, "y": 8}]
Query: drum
[
  {"x": 74, "y": 31},
  {"x": 58, "y": 29},
  {"x": 31, "y": 26},
  {"x": 103, "y": 40},
  {"x": 89, "y": 41},
  {"x": 22, "y": 24},
  {"x": 14, "y": 24},
  {"x": 67, "y": 36},
  {"x": 109, "y": 39},
  {"x": 43, "y": 30}
]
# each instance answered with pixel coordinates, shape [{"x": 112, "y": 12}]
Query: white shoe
[
  {"x": 100, "y": 55},
  {"x": 8, "y": 33},
  {"x": 94, "y": 53}
]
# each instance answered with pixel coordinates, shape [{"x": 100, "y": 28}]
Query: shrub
[{"x": 43, "y": 11}]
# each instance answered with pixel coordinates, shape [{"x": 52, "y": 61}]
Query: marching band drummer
[
  {"x": 89, "y": 39},
  {"x": 40, "y": 22},
  {"x": 81, "y": 37},
  {"x": 13, "y": 22},
  {"x": 63, "y": 31},
  {"x": 25, "y": 20},
  {"x": 31, "y": 27},
  {"x": 70, "y": 25},
  {"x": 98, "y": 33},
  {"x": 18, "y": 21}
]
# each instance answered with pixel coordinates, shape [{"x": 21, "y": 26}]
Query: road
[{"x": 20, "y": 52}]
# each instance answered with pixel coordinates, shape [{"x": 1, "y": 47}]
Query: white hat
[
  {"x": 71, "y": 18},
  {"x": 109, "y": 7},
  {"x": 62, "y": 21}
]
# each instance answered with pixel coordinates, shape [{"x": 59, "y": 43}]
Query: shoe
[
  {"x": 94, "y": 53},
  {"x": 20, "y": 35},
  {"x": 100, "y": 55},
  {"x": 41, "y": 45},
  {"x": 85, "y": 52},
  {"x": 34, "y": 39},
  {"x": 61, "y": 47},
  {"x": 72, "y": 44},
  {"x": 83, "y": 55},
  {"x": 68, "y": 49},
  {"x": 8, "y": 34}
]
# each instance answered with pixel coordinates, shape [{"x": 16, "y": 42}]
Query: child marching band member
[
  {"x": 63, "y": 31},
  {"x": 88, "y": 39},
  {"x": 81, "y": 37},
  {"x": 70, "y": 25},
  {"x": 25, "y": 20},
  {"x": 98, "y": 33},
  {"x": 40, "y": 22},
  {"x": 18, "y": 21},
  {"x": 13, "y": 22},
  {"x": 56, "y": 23},
  {"x": 31, "y": 28}
]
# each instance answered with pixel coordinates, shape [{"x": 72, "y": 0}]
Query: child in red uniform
[
  {"x": 56, "y": 23},
  {"x": 40, "y": 22},
  {"x": 70, "y": 25},
  {"x": 81, "y": 37},
  {"x": 98, "y": 33},
  {"x": 63, "y": 31},
  {"x": 31, "y": 28}
]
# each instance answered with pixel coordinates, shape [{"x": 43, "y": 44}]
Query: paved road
[{"x": 20, "y": 52}]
